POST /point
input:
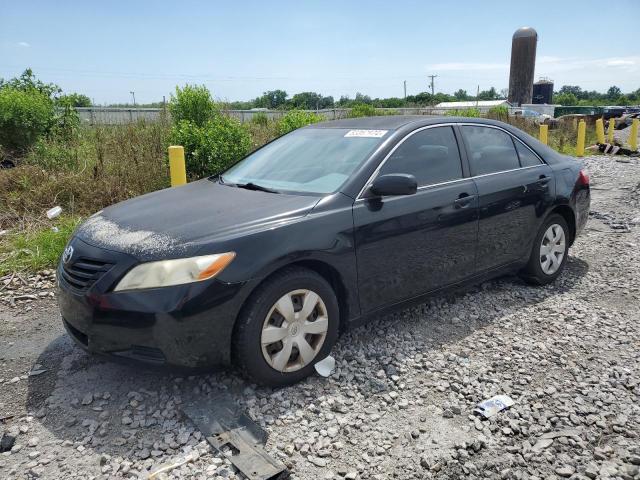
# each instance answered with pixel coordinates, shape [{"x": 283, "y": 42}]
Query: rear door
[
  {"x": 410, "y": 245},
  {"x": 515, "y": 188}
]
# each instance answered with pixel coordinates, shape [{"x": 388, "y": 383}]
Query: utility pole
[
  {"x": 433, "y": 88},
  {"x": 405, "y": 89},
  {"x": 133, "y": 94}
]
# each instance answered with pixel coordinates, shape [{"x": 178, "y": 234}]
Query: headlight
[{"x": 175, "y": 272}]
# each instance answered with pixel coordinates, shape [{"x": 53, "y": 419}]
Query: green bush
[
  {"x": 297, "y": 118},
  {"x": 213, "y": 147},
  {"x": 464, "y": 112},
  {"x": 260, "y": 119},
  {"x": 25, "y": 116},
  {"x": 193, "y": 103},
  {"x": 362, "y": 110},
  {"x": 500, "y": 112}
]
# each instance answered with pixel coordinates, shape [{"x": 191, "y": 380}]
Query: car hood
[{"x": 178, "y": 221}]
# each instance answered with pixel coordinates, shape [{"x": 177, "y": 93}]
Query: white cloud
[{"x": 24, "y": 44}]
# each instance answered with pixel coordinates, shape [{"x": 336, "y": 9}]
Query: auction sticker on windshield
[{"x": 366, "y": 133}]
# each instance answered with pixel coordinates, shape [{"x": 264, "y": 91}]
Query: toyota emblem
[{"x": 67, "y": 254}]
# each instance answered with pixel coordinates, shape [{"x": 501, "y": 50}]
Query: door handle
[
  {"x": 464, "y": 200},
  {"x": 543, "y": 181}
]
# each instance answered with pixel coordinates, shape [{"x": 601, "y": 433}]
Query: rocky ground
[{"x": 400, "y": 404}]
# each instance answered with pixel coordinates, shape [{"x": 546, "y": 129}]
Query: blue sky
[{"x": 241, "y": 48}]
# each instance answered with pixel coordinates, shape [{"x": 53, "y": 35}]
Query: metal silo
[
  {"x": 523, "y": 62},
  {"x": 543, "y": 91}
]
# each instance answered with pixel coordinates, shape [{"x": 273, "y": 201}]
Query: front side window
[
  {"x": 309, "y": 160},
  {"x": 430, "y": 155},
  {"x": 490, "y": 150}
]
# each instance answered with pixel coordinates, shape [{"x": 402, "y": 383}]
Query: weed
[{"x": 35, "y": 249}]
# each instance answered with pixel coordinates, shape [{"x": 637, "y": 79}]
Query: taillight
[{"x": 583, "y": 179}]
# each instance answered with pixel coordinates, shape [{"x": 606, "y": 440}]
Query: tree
[
  {"x": 490, "y": 94},
  {"x": 361, "y": 98},
  {"x": 613, "y": 93},
  {"x": 271, "y": 99},
  {"x": 27, "y": 81},
  {"x": 572, "y": 89},
  {"x": 74, "y": 100},
  {"x": 565, "y": 99},
  {"x": 310, "y": 101},
  {"x": 461, "y": 95},
  {"x": 423, "y": 98},
  {"x": 193, "y": 103}
]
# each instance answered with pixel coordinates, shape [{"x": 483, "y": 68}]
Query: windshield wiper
[
  {"x": 255, "y": 186},
  {"x": 248, "y": 185}
]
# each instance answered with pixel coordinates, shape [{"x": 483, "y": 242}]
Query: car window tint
[
  {"x": 430, "y": 155},
  {"x": 490, "y": 150},
  {"x": 527, "y": 157}
]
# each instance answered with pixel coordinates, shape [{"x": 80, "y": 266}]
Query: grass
[{"x": 36, "y": 249}]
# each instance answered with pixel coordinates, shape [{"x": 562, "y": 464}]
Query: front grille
[{"x": 83, "y": 272}]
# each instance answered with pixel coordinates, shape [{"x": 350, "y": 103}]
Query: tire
[
  {"x": 543, "y": 272},
  {"x": 260, "y": 363}
]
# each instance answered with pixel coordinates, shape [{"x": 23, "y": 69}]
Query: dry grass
[{"x": 104, "y": 165}]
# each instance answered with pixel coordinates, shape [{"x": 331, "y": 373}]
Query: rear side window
[
  {"x": 490, "y": 150},
  {"x": 430, "y": 155},
  {"x": 527, "y": 157}
]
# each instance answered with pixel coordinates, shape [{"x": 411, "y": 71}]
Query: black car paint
[{"x": 378, "y": 253}]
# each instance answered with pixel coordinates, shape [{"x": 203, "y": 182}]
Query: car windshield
[{"x": 311, "y": 160}]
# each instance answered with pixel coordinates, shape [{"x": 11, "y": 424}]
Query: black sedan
[{"x": 263, "y": 266}]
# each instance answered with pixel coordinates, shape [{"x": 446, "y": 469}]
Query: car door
[
  {"x": 514, "y": 187},
  {"x": 409, "y": 245}
]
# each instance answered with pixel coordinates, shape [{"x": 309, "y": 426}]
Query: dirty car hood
[{"x": 177, "y": 221}]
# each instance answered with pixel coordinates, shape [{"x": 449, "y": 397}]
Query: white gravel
[{"x": 400, "y": 402}]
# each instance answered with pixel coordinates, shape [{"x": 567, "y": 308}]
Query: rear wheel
[
  {"x": 288, "y": 324},
  {"x": 549, "y": 253}
]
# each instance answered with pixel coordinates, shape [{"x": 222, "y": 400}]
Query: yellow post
[
  {"x": 176, "y": 166},
  {"x": 612, "y": 127},
  {"x": 582, "y": 132},
  {"x": 633, "y": 136},
  {"x": 600, "y": 130},
  {"x": 544, "y": 134}
]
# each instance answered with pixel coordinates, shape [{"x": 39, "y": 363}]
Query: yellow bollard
[
  {"x": 176, "y": 166},
  {"x": 600, "y": 130},
  {"x": 633, "y": 136},
  {"x": 582, "y": 132},
  {"x": 612, "y": 127},
  {"x": 544, "y": 134}
]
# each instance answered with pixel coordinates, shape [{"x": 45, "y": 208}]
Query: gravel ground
[{"x": 401, "y": 400}]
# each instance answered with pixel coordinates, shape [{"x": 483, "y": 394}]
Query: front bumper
[{"x": 187, "y": 325}]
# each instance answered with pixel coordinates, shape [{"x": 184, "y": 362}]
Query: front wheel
[
  {"x": 549, "y": 253},
  {"x": 288, "y": 324}
]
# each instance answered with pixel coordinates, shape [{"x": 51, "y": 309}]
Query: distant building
[{"x": 482, "y": 105}]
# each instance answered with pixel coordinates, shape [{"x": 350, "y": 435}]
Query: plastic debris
[
  {"x": 234, "y": 435},
  {"x": 170, "y": 466},
  {"x": 34, "y": 373},
  {"x": 54, "y": 212},
  {"x": 326, "y": 366},
  {"x": 55, "y": 229},
  {"x": 488, "y": 408}
]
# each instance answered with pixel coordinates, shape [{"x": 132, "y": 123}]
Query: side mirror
[{"x": 394, "y": 184}]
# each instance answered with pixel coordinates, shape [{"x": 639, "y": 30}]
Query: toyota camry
[{"x": 263, "y": 266}]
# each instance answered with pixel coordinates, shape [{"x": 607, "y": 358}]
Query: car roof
[{"x": 396, "y": 122}]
